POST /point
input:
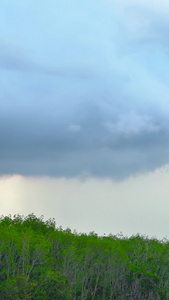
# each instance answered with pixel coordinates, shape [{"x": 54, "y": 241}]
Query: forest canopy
[{"x": 40, "y": 261}]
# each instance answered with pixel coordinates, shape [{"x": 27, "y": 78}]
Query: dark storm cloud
[
  {"x": 85, "y": 97},
  {"x": 82, "y": 145}
]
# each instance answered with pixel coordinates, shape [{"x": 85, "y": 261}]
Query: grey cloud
[
  {"x": 100, "y": 132},
  {"x": 85, "y": 147},
  {"x": 53, "y": 122},
  {"x": 14, "y": 59}
]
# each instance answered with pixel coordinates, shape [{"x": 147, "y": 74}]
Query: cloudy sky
[{"x": 84, "y": 113}]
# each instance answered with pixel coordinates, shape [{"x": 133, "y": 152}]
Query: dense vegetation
[{"x": 40, "y": 261}]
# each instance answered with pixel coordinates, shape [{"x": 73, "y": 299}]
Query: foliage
[{"x": 40, "y": 261}]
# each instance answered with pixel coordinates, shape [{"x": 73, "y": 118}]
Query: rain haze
[{"x": 84, "y": 113}]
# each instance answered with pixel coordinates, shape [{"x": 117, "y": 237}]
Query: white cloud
[
  {"x": 140, "y": 19},
  {"x": 74, "y": 128},
  {"x": 133, "y": 124},
  {"x": 158, "y": 5}
]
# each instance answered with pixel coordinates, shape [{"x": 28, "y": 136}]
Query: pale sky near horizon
[
  {"x": 84, "y": 113},
  {"x": 137, "y": 205}
]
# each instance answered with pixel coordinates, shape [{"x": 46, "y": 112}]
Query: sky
[{"x": 84, "y": 109}]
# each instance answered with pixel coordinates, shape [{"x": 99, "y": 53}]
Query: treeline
[{"x": 40, "y": 261}]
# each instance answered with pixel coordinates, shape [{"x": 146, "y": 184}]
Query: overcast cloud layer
[{"x": 84, "y": 87}]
